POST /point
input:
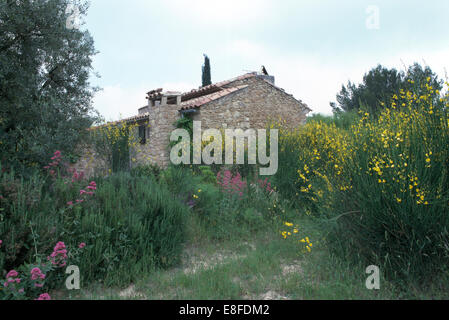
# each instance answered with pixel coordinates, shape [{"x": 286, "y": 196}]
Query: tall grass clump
[
  {"x": 381, "y": 185},
  {"x": 134, "y": 225}
]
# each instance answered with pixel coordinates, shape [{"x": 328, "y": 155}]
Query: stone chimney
[
  {"x": 171, "y": 98},
  {"x": 159, "y": 97}
]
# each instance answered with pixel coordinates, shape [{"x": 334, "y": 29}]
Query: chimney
[
  {"x": 171, "y": 98},
  {"x": 161, "y": 98}
]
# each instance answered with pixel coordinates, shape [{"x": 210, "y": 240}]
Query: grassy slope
[{"x": 260, "y": 266}]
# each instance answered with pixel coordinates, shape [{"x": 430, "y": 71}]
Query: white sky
[{"x": 312, "y": 47}]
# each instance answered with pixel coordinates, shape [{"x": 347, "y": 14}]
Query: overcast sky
[{"x": 312, "y": 47}]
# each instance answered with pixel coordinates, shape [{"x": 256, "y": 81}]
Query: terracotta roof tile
[
  {"x": 198, "y": 102},
  {"x": 216, "y": 87}
]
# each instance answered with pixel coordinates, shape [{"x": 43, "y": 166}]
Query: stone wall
[
  {"x": 252, "y": 107},
  {"x": 160, "y": 126},
  {"x": 91, "y": 163}
]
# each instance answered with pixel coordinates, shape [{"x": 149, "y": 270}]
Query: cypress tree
[{"x": 206, "y": 72}]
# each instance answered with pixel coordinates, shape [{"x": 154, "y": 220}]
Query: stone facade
[{"x": 248, "y": 101}]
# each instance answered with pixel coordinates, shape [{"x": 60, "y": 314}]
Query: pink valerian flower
[
  {"x": 59, "y": 255},
  {"x": 77, "y": 175},
  {"x": 12, "y": 274},
  {"x": 44, "y": 296},
  {"x": 36, "y": 274},
  {"x": 1, "y": 242},
  {"x": 266, "y": 185},
  {"x": 82, "y": 245},
  {"x": 57, "y": 157},
  {"x": 12, "y": 279},
  {"x": 230, "y": 184},
  {"x": 91, "y": 187}
]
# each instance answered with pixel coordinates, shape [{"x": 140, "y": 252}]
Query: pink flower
[
  {"x": 82, "y": 245},
  {"x": 36, "y": 273},
  {"x": 12, "y": 274},
  {"x": 38, "y": 285},
  {"x": 44, "y": 296},
  {"x": 22, "y": 290},
  {"x": 82, "y": 192},
  {"x": 70, "y": 203},
  {"x": 59, "y": 254},
  {"x": 1, "y": 242}
]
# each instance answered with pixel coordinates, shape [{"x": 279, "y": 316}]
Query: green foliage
[
  {"x": 136, "y": 225},
  {"x": 185, "y": 123},
  {"x": 130, "y": 224},
  {"x": 380, "y": 84},
  {"x": 380, "y": 185},
  {"x": 233, "y": 208},
  {"x": 150, "y": 170},
  {"x": 207, "y": 174},
  {"x": 45, "y": 94},
  {"x": 342, "y": 120}
]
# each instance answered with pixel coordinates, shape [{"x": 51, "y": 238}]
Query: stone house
[{"x": 248, "y": 101}]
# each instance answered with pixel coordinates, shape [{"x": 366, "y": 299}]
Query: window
[{"x": 142, "y": 134}]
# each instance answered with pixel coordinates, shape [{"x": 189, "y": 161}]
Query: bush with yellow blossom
[{"x": 382, "y": 184}]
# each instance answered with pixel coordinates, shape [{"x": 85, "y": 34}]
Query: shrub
[
  {"x": 234, "y": 207},
  {"x": 147, "y": 171},
  {"x": 125, "y": 224},
  {"x": 136, "y": 224},
  {"x": 381, "y": 184}
]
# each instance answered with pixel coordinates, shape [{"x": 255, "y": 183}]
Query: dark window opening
[
  {"x": 172, "y": 100},
  {"x": 142, "y": 134}
]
